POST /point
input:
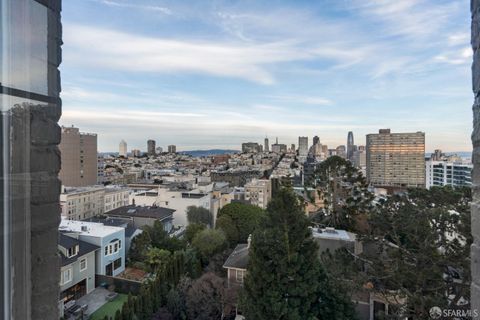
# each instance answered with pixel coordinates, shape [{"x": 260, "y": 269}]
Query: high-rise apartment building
[
  {"x": 122, "y": 149},
  {"x": 292, "y": 147},
  {"x": 266, "y": 147},
  {"x": 151, "y": 147},
  {"x": 446, "y": 173},
  {"x": 79, "y": 158},
  {"x": 136, "y": 153},
  {"x": 302, "y": 148},
  {"x": 350, "y": 146},
  {"x": 396, "y": 159},
  {"x": 172, "y": 148}
]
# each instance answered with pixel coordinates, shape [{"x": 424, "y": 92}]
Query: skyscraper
[
  {"x": 316, "y": 140},
  {"x": 79, "y": 158},
  {"x": 302, "y": 148},
  {"x": 172, "y": 148},
  {"x": 122, "y": 149},
  {"x": 350, "y": 146},
  {"x": 151, "y": 147},
  {"x": 267, "y": 146},
  {"x": 396, "y": 159}
]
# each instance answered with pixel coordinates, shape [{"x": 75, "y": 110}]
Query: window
[
  {"x": 83, "y": 264},
  {"x": 240, "y": 275},
  {"x": 66, "y": 276},
  {"x": 73, "y": 251},
  {"x": 117, "y": 263},
  {"x": 113, "y": 247}
]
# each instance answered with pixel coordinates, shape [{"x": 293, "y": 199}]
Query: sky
[{"x": 214, "y": 74}]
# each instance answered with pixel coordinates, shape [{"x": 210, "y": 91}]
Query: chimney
[{"x": 249, "y": 241}]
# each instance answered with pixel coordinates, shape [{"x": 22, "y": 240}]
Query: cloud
[
  {"x": 456, "y": 57},
  {"x": 104, "y": 48},
  {"x": 310, "y": 100},
  {"x": 113, "y": 3}
]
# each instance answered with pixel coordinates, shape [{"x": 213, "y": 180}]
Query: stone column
[{"x": 475, "y": 250}]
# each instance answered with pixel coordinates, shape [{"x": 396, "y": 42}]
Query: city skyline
[{"x": 214, "y": 75}]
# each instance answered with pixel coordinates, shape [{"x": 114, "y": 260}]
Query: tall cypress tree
[{"x": 285, "y": 279}]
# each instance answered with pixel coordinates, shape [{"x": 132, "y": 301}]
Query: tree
[
  {"x": 345, "y": 192},
  {"x": 238, "y": 221},
  {"x": 209, "y": 242},
  {"x": 199, "y": 215},
  {"x": 158, "y": 259},
  {"x": 140, "y": 246},
  {"x": 419, "y": 244},
  {"x": 285, "y": 279},
  {"x": 192, "y": 229},
  {"x": 205, "y": 298},
  {"x": 162, "y": 240}
]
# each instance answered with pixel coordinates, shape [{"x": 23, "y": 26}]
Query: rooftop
[
  {"x": 155, "y": 212},
  {"x": 93, "y": 229},
  {"x": 69, "y": 242},
  {"x": 238, "y": 258},
  {"x": 334, "y": 234}
]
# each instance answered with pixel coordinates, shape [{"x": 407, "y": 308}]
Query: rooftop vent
[
  {"x": 330, "y": 230},
  {"x": 84, "y": 228}
]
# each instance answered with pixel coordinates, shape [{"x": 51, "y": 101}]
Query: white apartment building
[
  {"x": 258, "y": 192},
  {"x": 444, "y": 173},
  {"x": 116, "y": 197},
  {"x": 80, "y": 203}
]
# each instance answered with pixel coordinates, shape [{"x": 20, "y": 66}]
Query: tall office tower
[
  {"x": 159, "y": 150},
  {"x": 30, "y": 106},
  {"x": 316, "y": 140},
  {"x": 350, "y": 146},
  {"x": 122, "y": 149},
  {"x": 292, "y": 147},
  {"x": 151, "y": 147},
  {"x": 79, "y": 158},
  {"x": 437, "y": 155},
  {"x": 172, "y": 148},
  {"x": 302, "y": 148},
  {"x": 396, "y": 160},
  {"x": 267, "y": 146}
]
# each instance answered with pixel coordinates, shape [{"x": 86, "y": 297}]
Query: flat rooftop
[
  {"x": 93, "y": 229},
  {"x": 333, "y": 234},
  {"x": 154, "y": 212}
]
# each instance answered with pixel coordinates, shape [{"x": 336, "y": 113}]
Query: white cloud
[
  {"x": 456, "y": 57},
  {"x": 129, "y": 5}
]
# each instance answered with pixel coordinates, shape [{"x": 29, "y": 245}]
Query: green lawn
[{"x": 109, "y": 308}]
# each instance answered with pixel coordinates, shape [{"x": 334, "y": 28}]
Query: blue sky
[{"x": 213, "y": 74}]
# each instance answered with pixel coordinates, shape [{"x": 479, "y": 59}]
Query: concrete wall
[{"x": 475, "y": 253}]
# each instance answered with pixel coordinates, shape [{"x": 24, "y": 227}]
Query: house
[
  {"x": 332, "y": 239},
  {"x": 144, "y": 215},
  {"x": 236, "y": 264},
  {"x": 77, "y": 272},
  {"x": 130, "y": 230},
  {"x": 110, "y": 259}
]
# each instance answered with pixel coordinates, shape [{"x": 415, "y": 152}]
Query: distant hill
[{"x": 204, "y": 153}]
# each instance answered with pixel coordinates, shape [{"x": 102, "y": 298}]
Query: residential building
[
  {"x": 159, "y": 150},
  {"x": 116, "y": 197},
  {"x": 151, "y": 147},
  {"x": 80, "y": 203},
  {"x": 359, "y": 159},
  {"x": 396, "y": 160},
  {"x": 100, "y": 169},
  {"x": 144, "y": 215},
  {"x": 122, "y": 149},
  {"x": 308, "y": 171},
  {"x": 250, "y": 147},
  {"x": 279, "y": 148},
  {"x": 172, "y": 148},
  {"x": 258, "y": 192},
  {"x": 266, "y": 147},
  {"x": 236, "y": 265},
  {"x": 136, "y": 153},
  {"x": 331, "y": 239},
  {"x": 110, "y": 258},
  {"x": 77, "y": 272},
  {"x": 79, "y": 158},
  {"x": 445, "y": 173},
  {"x": 292, "y": 147}
]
